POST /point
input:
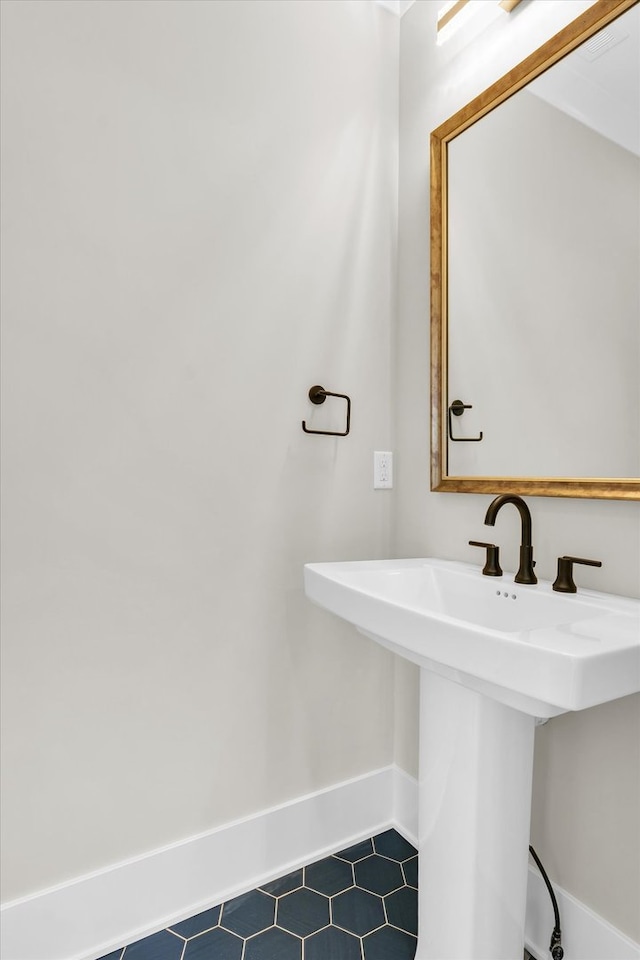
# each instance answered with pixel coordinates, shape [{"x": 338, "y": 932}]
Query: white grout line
[
  {"x": 384, "y": 907},
  {"x": 402, "y": 930}
]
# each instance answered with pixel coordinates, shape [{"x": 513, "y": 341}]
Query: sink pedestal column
[{"x": 476, "y": 765}]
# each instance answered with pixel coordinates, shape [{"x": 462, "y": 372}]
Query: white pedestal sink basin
[{"x": 494, "y": 655}]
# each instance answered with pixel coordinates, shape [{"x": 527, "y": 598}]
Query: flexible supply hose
[{"x": 555, "y": 947}]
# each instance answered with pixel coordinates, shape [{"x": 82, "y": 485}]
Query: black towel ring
[{"x": 318, "y": 395}]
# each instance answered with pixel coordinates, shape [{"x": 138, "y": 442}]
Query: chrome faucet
[{"x": 525, "y": 573}]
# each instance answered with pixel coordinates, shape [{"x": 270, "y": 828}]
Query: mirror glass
[{"x": 537, "y": 200}]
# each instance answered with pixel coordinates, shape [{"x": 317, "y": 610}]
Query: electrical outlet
[{"x": 382, "y": 469}]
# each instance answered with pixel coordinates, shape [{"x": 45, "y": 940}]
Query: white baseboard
[
  {"x": 95, "y": 914},
  {"x": 405, "y": 805},
  {"x": 585, "y": 935}
]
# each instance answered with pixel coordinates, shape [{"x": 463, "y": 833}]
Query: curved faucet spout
[
  {"x": 522, "y": 508},
  {"x": 525, "y": 573}
]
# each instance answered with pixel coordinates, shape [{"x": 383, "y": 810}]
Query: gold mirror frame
[{"x": 579, "y": 30}]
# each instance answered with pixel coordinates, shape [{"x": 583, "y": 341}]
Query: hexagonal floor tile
[
  {"x": 391, "y": 844},
  {"x": 216, "y": 943},
  {"x": 357, "y": 911},
  {"x": 402, "y": 909},
  {"x": 198, "y": 924},
  {"x": 379, "y": 875},
  {"x": 334, "y": 944},
  {"x": 389, "y": 944},
  {"x": 248, "y": 914},
  {"x": 303, "y": 912},
  {"x": 272, "y": 944},
  {"x": 282, "y": 885},
  {"x": 410, "y": 870},
  {"x": 159, "y": 946},
  {"x": 357, "y": 852},
  {"x": 329, "y": 876}
]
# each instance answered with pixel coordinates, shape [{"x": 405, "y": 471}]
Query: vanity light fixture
[{"x": 455, "y": 13}]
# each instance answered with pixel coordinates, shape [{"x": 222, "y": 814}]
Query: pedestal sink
[{"x": 494, "y": 655}]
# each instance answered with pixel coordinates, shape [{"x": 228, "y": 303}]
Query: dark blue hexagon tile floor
[{"x": 360, "y": 904}]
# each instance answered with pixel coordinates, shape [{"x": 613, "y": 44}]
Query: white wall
[
  {"x": 587, "y": 776},
  {"x": 200, "y": 205}
]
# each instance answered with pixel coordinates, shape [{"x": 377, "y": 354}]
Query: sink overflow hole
[{"x": 499, "y": 593}]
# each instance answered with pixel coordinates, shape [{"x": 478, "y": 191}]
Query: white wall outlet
[{"x": 382, "y": 469}]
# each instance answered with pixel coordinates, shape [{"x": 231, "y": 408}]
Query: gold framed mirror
[{"x": 553, "y": 436}]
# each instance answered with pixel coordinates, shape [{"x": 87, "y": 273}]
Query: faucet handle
[
  {"x": 492, "y": 566},
  {"x": 564, "y": 580}
]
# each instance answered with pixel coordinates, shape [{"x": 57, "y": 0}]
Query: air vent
[{"x": 598, "y": 45}]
